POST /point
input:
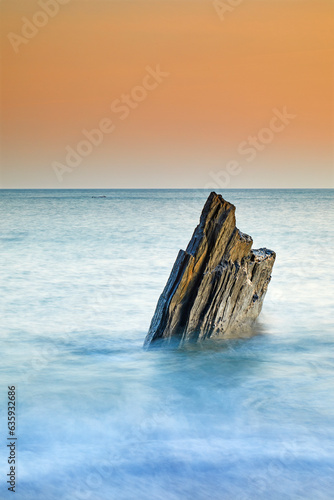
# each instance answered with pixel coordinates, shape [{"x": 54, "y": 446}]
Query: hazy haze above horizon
[{"x": 261, "y": 71}]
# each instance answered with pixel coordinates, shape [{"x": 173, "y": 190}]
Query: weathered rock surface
[{"x": 217, "y": 285}]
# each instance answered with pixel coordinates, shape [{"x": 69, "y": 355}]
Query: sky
[{"x": 167, "y": 93}]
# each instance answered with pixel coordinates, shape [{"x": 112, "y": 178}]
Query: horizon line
[{"x": 165, "y": 189}]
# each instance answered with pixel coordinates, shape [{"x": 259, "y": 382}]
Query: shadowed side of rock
[{"x": 217, "y": 284}]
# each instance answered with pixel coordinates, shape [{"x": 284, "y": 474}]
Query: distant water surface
[{"x": 98, "y": 417}]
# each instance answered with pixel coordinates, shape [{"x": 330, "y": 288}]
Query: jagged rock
[{"x": 217, "y": 285}]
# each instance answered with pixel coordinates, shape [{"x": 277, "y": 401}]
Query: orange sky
[{"x": 225, "y": 78}]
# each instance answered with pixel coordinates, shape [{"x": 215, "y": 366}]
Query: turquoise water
[{"x": 100, "y": 418}]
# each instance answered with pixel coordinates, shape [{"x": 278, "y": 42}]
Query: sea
[{"x": 98, "y": 417}]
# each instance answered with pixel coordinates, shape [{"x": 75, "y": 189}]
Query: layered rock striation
[{"x": 217, "y": 285}]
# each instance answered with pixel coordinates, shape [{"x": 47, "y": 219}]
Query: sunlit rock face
[{"x": 217, "y": 285}]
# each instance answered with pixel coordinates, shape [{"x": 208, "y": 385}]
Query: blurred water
[{"x": 100, "y": 418}]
